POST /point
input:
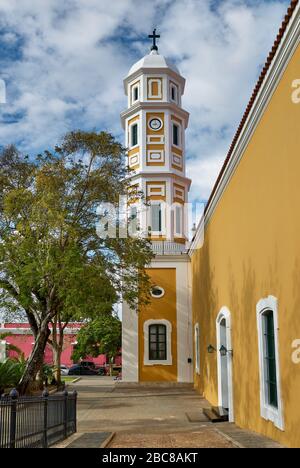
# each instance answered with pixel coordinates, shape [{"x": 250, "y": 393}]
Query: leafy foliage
[
  {"x": 52, "y": 261},
  {"x": 10, "y": 373},
  {"x": 100, "y": 336}
]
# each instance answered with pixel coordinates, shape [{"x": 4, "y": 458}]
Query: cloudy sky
[{"x": 64, "y": 62}]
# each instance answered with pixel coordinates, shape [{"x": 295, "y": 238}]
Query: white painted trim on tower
[{"x": 130, "y": 344}]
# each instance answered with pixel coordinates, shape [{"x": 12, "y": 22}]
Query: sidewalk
[{"x": 152, "y": 417}]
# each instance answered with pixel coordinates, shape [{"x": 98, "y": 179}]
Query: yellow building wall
[
  {"x": 163, "y": 308},
  {"x": 252, "y": 250}
]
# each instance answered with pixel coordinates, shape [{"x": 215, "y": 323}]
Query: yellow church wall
[
  {"x": 252, "y": 250},
  {"x": 163, "y": 308}
]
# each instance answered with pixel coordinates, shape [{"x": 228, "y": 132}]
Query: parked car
[
  {"x": 81, "y": 369},
  {"x": 89, "y": 364},
  {"x": 64, "y": 370}
]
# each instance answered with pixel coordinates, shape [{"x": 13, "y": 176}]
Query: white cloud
[{"x": 74, "y": 56}]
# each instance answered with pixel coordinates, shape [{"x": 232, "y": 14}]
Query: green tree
[
  {"x": 100, "y": 336},
  {"x": 53, "y": 263}
]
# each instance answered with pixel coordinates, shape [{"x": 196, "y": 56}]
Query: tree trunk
[
  {"x": 35, "y": 360},
  {"x": 57, "y": 344},
  {"x": 57, "y": 362}
]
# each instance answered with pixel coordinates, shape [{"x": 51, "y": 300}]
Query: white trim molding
[
  {"x": 133, "y": 88},
  {"x": 197, "y": 348},
  {"x": 175, "y": 123},
  {"x": 159, "y": 81},
  {"x": 165, "y": 362},
  {"x": 130, "y": 125},
  {"x": 155, "y": 156},
  {"x": 268, "y": 412},
  {"x": 225, "y": 314}
]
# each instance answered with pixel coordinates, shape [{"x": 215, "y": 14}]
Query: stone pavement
[{"x": 152, "y": 417}]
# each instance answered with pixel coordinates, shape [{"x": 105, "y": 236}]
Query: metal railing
[
  {"x": 36, "y": 421},
  {"x": 168, "y": 248}
]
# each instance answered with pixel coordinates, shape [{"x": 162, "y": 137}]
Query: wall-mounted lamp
[
  {"x": 224, "y": 351},
  {"x": 211, "y": 349}
]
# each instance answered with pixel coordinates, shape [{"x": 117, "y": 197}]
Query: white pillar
[
  {"x": 2, "y": 351},
  {"x": 130, "y": 345},
  {"x": 184, "y": 324}
]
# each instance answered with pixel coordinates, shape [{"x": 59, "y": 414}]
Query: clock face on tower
[{"x": 155, "y": 124}]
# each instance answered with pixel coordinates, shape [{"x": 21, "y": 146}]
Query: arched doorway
[{"x": 225, "y": 355}]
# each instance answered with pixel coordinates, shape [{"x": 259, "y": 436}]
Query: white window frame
[
  {"x": 136, "y": 122},
  {"x": 176, "y": 207},
  {"x": 161, "y": 295},
  {"x": 133, "y": 232},
  {"x": 135, "y": 86},
  {"x": 160, "y": 88},
  {"x": 175, "y": 87},
  {"x": 268, "y": 412},
  {"x": 164, "y": 362},
  {"x": 197, "y": 348},
  {"x": 163, "y": 217},
  {"x": 177, "y": 124}
]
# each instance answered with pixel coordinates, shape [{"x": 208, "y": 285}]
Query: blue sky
[{"x": 64, "y": 62}]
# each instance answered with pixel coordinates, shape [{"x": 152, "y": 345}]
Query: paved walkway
[{"x": 148, "y": 417}]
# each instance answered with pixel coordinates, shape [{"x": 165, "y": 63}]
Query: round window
[{"x": 157, "y": 292}]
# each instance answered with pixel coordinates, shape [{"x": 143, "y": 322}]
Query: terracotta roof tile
[{"x": 256, "y": 90}]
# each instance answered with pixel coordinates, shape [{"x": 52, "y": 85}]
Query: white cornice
[
  {"x": 170, "y": 259},
  {"x": 161, "y": 175},
  {"x": 287, "y": 48},
  {"x": 157, "y": 105}
]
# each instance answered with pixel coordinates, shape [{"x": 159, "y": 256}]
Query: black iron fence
[{"x": 36, "y": 421}]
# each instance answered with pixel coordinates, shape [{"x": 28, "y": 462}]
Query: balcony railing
[{"x": 168, "y": 248}]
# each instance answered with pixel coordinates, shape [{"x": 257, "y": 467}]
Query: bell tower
[
  {"x": 155, "y": 124},
  {"x": 157, "y": 339}
]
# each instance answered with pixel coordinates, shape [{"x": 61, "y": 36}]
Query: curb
[
  {"x": 74, "y": 381},
  {"x": 108, "y": 440}
]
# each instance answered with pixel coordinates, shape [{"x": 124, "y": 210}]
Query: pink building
[{"x": 23, "y": 339}]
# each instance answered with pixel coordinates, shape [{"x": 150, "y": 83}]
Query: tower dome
[{"x": 153, "y": 60}]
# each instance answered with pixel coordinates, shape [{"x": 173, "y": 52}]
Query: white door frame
[{"x": 225, "y": 314}]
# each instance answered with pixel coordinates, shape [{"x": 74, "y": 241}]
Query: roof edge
[
  {"x": 256, "y": 90},
  {"x": 261, "y": 81}
]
